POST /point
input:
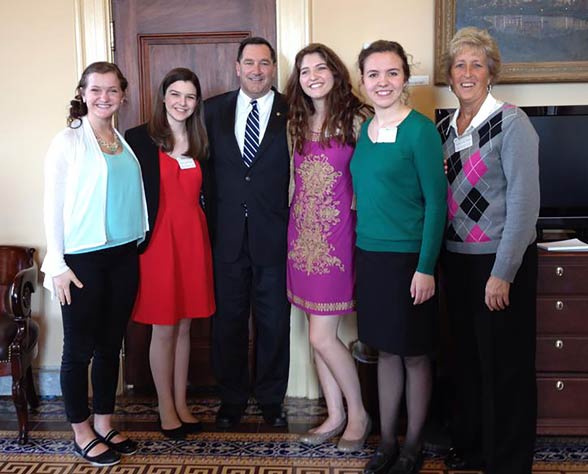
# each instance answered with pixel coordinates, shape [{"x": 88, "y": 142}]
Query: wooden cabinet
[{"x": 562, "y": 343}]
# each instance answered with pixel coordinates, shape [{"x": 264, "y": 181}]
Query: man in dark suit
[{"x": 248, "y": 212}]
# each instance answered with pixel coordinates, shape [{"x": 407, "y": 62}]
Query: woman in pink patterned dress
[{"x": 323, "y": 117}]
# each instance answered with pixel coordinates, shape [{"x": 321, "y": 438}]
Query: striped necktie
[{"x": 251, "y": 143}]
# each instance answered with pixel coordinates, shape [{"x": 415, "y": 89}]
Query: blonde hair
[{"x": 476, "y": 38}]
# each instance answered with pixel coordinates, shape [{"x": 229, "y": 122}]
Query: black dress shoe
[
  {"x": 192, "y": 427},
  {"x": 407, "y": 463},
  {"x": 229, "y": 416},
  {"x": 277, "y": 421},
  {"x": 225, "y": 422},
  {"x": 457, "y": 461},
  {"x": 381, "y": 461},
  {"x": 274, "y": 416}
]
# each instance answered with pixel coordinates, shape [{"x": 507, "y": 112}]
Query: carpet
[
  {"x": 254, "y": 451},
  {"x": 237, "y": 453}
]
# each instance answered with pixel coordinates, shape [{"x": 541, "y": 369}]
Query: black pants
[
  {"x": 243, "y": 288},
  {"x": 494, "y": 373},
  {"x": 94, "y": 325}
]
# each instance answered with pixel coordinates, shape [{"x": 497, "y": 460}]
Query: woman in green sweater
[{"x": 398, "y": 178}]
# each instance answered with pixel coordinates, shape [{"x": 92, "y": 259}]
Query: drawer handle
[
  {"x": 559, "y": 271},
  {"x": 559, "y": 305},
  {"x": 559, "y": 385},
  {"x": 559, "y": 344}
]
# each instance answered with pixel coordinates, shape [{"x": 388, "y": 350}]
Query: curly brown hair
[{"x": 341, "y": 103}]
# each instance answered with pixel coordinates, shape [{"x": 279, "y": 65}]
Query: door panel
[
  {"x": 152, "y": 37},
  {"x": 191, "y": 50}
]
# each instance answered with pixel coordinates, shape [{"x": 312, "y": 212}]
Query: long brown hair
[
  {"x": 341, "y": 103},
  {"x": 77, "y": 107},
  {"x": 159, "y": 128}
]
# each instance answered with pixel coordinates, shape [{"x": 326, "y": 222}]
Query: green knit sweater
[{"x": 401, "y": 191}]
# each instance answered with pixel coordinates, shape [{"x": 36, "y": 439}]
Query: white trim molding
[
  {"x": 94, "y": 39},
  {"x": 293, "y": 20}
]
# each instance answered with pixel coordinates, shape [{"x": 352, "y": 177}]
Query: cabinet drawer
[
  {"x": 562, "y": 397},
  {"x": 565, "y": 275},
  {"x": 562, "y": 354},
  {"x": 562, "y": 314}
]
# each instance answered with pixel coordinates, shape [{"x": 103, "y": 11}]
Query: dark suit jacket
[
  {"x": 261, "y": 188},
  {"x": 148, "y": 155}
]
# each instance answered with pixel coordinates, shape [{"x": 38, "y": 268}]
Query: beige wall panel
[
  {"x": 345, "y": 25},
  {"x": 37, "y": 47}
]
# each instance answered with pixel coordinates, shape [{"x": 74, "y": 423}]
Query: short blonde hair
[{"x": 478, "y": 39}]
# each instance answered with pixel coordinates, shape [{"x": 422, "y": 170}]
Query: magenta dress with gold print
[{"x": 321, "y": 231}]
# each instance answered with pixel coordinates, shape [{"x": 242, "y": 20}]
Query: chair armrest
[{"x": 23, "y": 285}]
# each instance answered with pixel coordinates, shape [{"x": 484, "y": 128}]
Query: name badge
[
  {"x": 463, "y": 142},
  {"x": 387, "y": 135},
  {"x": 186, "y": 163}
]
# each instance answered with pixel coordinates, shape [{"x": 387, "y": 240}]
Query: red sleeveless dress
[{"x": 175, "y": 272}]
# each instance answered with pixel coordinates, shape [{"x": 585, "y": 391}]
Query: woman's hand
[
  {"x": 422, "y": 287},
  {"x": 497, "y": 291},
  {"x": 62, "y": 282}
]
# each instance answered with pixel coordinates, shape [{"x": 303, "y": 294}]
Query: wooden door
[{"x": 152, "y": 37}]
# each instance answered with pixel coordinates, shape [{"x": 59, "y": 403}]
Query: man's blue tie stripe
[{"x": 251, "y": 135}]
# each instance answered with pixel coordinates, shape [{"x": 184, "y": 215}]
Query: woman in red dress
[{"x": 175, "y": 283}]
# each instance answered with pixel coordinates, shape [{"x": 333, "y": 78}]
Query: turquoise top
[
  {"x": 124, "y": 215},
  {"x": 401, "y": 191}
]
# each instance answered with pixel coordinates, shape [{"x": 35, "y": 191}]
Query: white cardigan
[{"x": 75, "y": 197}]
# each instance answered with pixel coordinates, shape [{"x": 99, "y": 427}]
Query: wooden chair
[{"x": 18, "y": 332}]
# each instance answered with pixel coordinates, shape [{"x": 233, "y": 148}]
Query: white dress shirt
[
  {"x": 264, "y": 106},
  {"x": 489, "y": 106}
]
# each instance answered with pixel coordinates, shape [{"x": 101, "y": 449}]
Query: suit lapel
[
  {"x": 275, "y": 126},
  {"x": 228, "y": 126}
]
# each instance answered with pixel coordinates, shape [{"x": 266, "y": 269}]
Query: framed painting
[{"x": 539, "y": 40}]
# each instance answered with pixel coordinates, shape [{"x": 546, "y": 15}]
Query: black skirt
[{"x": 387, "y": 318}]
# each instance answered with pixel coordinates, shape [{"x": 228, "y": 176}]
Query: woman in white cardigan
[{"x": 95, "y": 213}]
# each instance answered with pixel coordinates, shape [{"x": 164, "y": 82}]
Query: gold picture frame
[{"x": 523, "y": 72}]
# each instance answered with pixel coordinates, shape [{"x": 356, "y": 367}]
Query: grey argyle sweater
[{"x": 493, "y": 196}]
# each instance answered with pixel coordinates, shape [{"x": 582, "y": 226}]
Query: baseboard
[{"x": 46, "y": 382}]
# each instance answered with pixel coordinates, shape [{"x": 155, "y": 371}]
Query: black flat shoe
[
  {"x": 174, "y": 433},
  {"x": 107, "y": 458},
  {"x": 381, "y": 461},
  {"x": 126, "y": 447},
  {"x": 192, "y": 427}
]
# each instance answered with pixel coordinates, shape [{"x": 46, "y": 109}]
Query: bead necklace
[{"x": 110, "y": 147}]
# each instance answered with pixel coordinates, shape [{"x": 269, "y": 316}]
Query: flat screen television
[{"x": 563, "y": 165}]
